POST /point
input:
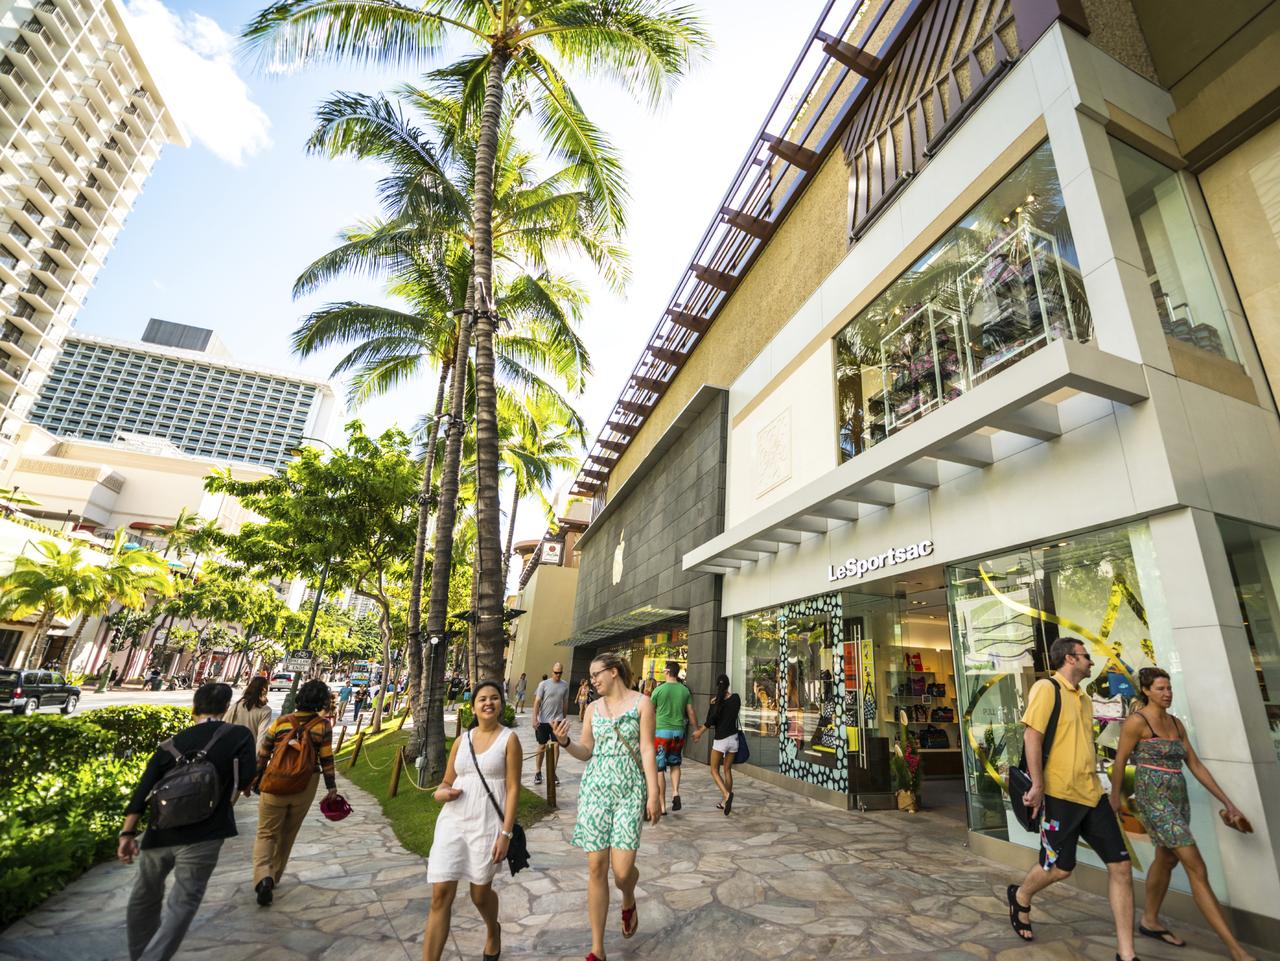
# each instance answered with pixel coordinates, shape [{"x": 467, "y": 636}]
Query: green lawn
[{"x": 412, "y": 812}]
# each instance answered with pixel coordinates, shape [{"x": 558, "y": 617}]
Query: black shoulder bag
[
  {"x": 1020, "y": 780},
  {"x": 518, "y": 848}
]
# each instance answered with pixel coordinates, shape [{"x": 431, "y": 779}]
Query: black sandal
[
  {"x": 1016, "y": 908},
  {"x": 728, "y": 803},
  {"x": 1160, "y": 934}
]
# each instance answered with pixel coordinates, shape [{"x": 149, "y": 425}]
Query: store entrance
[{"x": 907, "y": 684}]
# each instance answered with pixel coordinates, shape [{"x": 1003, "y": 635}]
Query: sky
[{"x": 225, "y": 225}]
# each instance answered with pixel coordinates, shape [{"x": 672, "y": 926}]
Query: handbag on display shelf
[{"x": 917, "y": 687}]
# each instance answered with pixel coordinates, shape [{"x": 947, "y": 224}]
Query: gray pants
[{"x": 151, "y": 936}]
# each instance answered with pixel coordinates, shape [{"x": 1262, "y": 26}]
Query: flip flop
[
  {"x": 630, "y": 921},
  {"x": 728, "y": 804},
  {"x": 1019, "y": 927},
  {"x": 1160, "y": 934}
]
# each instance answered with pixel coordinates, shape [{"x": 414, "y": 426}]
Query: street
[{"x": 182, "y": 698}]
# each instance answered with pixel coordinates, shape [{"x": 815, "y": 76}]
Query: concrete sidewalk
[{"x": 782, "y": 879}]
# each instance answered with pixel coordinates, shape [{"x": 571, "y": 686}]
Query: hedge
[{"x": 64, "y": 783}]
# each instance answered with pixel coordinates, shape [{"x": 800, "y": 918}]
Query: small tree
[
  {"x": 57, "y": 582},
  {"x": 352, "y": 512}
]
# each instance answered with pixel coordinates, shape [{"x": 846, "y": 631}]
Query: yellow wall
[
  {"x": 1243, "y": 193},
  {"x": 547, "y": 601},
  {"x": 808, "y": 245}
]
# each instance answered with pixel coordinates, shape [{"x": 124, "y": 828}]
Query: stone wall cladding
[{"x": 678, "y": 505}]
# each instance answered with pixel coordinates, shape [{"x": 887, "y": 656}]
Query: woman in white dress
[{"x": 471, "y": 839}]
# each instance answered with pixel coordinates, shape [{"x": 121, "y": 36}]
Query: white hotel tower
[{"x": 81, "y": 125}]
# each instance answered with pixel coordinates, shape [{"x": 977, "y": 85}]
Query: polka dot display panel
[{"x": 791, "y": 762}]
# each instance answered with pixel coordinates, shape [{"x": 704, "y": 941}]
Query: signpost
[{"x": 299, "y": 662}]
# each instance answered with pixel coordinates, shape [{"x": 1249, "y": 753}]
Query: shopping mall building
[{"x": 980, "y": 351}]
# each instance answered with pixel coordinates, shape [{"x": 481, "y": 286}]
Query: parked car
[
  {"x": 280, "y": 681},
  {"x": 25, "y": 692}
]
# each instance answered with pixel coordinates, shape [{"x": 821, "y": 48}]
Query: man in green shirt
[{"x": 673, "y": 705}]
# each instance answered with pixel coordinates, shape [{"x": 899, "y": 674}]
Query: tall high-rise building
[
  {"x": 194, "y": 396},
  {"x": 81, "y": 125}
]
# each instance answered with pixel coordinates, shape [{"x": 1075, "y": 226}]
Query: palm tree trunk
[
  {"x": 511, "y": 534},
  {"x": 384, "y": 626},
  {"x": 420, "y": 545},
  {"x": 69, "y": 652},
  {"x": 42, "y": 625},
  {"x": 489, "y": 632},
  {"x": 428, "y": 717}
]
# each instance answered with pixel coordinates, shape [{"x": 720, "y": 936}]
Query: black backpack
[
  {"x": 1020, "y": 781},
  {"x": 190, "y": 790}
]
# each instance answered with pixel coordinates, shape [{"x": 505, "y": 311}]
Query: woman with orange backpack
[{"x": 296, "y": 752}]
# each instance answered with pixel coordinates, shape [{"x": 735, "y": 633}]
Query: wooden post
[
  {"x": 342, "y": 736},
  {"x": 457, "y": 725},
  {"x": 359, "y": 718},
  {"x": 355, "y": 751},
  {"x": 551, "y": 773},
  {"x": 403, "y": 717},
  {"x": 395, "y": 773}
]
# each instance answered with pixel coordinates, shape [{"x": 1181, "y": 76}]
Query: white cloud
[{"x": 193, "y": 61}]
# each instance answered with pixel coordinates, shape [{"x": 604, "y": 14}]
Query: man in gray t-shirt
[{"x": 549, "y": 702}]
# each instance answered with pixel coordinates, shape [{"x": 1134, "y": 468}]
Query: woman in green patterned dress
[
  {"x": 619, "y": 788},
  {"x": 1159, "y": 746}
]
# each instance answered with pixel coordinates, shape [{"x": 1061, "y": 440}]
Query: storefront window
[
  {"x": 998, "y": 286},
  {"x": 755, "y": 678},
  {"x": 1181, "y": 284},
  {"x": 1254, "y": 555},
  {"x": 1007, "y": 610},
  {"x": 648, "y": 655}
]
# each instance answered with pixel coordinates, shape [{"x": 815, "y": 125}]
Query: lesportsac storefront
[{"x": 1025, "y": 405}]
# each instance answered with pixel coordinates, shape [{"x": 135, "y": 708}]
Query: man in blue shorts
[{"x": 673, "y": 706}]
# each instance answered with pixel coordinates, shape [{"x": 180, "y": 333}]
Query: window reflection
[
  {"x": 1181, "y": 284},
  {"x": 999, "y": 285}
]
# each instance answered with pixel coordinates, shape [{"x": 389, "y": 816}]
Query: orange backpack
[{"x": 292, "y": 763}]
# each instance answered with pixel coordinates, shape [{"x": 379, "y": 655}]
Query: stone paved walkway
[{"x": 783, "y": 879}]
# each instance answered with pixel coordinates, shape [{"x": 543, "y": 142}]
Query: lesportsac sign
[{"x": 858, "y": 566}]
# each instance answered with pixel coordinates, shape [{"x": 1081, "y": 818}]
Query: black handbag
[
  {"x": 1020, "y": 781},
  {"x": 518, "y": 848}
]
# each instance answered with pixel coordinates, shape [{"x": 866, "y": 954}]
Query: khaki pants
[{"x": 279, "y": 818}]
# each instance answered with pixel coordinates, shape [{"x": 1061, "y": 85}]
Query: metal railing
[{"x": 978, "y": 319}]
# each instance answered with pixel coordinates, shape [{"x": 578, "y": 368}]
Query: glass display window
[
  {"x": 999, "y": 285},
  {"x": 1006, "y": 610},
  {"x": 1254, "y": 555},
  {"x": 1182, "y": 285}
]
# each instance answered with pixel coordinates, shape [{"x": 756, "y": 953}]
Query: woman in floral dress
[
  {"x": 1158, "y": 745},
  {"x": 619, "y": 788}
]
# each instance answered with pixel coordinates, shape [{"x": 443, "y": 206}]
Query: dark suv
[{"x": 25, "y": 692}]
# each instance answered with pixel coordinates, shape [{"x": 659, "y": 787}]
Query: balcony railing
[{"x": 972, "y": 320}]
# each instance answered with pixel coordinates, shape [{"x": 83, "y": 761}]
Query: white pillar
[{"x": 1228, "y": 721}]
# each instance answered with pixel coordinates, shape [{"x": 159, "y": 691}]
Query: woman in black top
[{"x": 722, "y": 720}]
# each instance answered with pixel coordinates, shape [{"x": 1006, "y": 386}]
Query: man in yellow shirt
[{"x": 1068, "y": 789}]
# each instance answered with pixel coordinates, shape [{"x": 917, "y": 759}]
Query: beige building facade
[{"x": 991, "y": 302}]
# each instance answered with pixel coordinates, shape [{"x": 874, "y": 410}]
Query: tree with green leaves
[
  {"x": 351, "y": 513},
  {"x": 423, "y": 247},
  {"x": 645, "y": 44},
  {"x": 57, "y": 582}
]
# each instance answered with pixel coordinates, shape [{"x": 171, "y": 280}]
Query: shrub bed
[{"x": 64, "y": 782}]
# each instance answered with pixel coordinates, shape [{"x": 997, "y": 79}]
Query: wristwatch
[
  {"x": 508, "y": 834},
  {"x": 128, "y": 834}
]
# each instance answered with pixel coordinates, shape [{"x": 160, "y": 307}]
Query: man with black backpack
[
  {"x": 1066, "y": 797},
  {"x": 187, "y": 790}
]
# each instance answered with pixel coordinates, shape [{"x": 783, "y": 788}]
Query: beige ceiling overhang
[{"x": 1022, "y": 400}]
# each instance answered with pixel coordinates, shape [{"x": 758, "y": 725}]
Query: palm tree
[
  {"x": 536, "y": 444},
  {"x": 645, "y": 44},
  {"x": 425, "y": 248},
  {"x": 130, "y": 578},
  {"x": 57, "y": 582}
]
